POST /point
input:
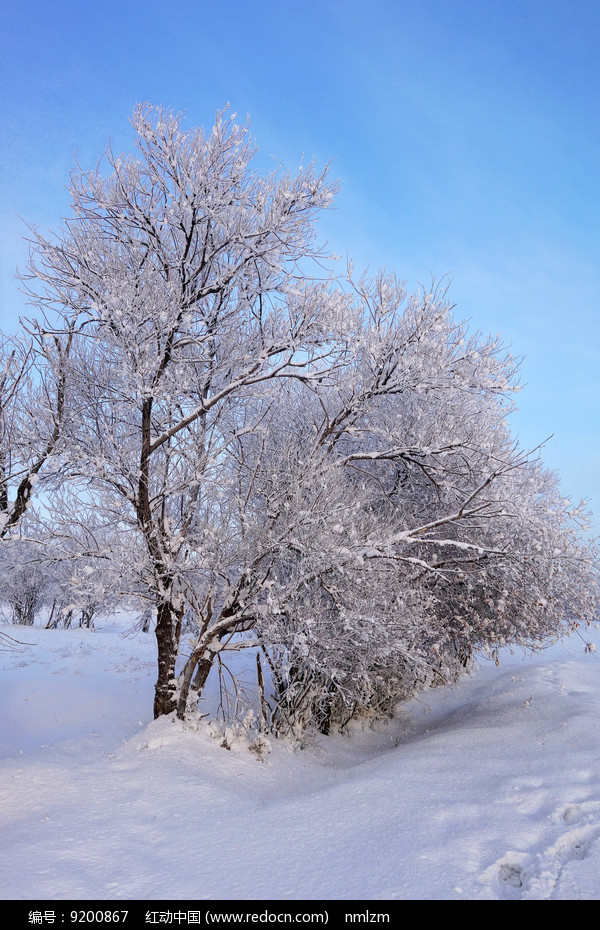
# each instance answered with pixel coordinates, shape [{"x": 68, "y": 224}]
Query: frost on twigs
[{"x": 310, "y": 482}]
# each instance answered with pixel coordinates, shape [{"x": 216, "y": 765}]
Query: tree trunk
[
  {"x": 203, "y": 667},
  {"x": 168, "y": 623}
]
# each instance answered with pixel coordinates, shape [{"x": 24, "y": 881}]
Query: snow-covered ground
[{"x": 487, "y": 790}]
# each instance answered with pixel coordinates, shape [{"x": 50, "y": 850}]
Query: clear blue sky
[{"x": 466, "y": 134}]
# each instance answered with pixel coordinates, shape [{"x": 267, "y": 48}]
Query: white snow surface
[{"x": 487, "y": 790}]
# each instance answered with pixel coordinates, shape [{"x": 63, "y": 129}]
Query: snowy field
[{"x": 490, "y": 790}]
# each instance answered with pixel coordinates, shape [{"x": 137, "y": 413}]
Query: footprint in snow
[
  {"x": 509, "y": 875},
  {"x": 523, "y": 875}
]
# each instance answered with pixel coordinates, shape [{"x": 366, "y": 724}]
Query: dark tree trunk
[{"x": 168, "y": 625}]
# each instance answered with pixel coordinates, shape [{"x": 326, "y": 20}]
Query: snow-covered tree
[
  {"x": 383, "y": 525},
  {"x": 319, "y": 470},
  {"x": 33, "y": 391},
  {"x": 180, "y": 273}
]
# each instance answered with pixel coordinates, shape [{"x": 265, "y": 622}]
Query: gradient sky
[{"x": 466, "y": 134}]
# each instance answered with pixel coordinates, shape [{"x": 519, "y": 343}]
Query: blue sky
[{"x": 466, "y": 134}]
